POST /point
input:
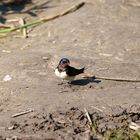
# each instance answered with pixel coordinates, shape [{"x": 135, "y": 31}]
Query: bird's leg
[
  {"x": 62, "y": 82},
  {"x": 69, "y": 82}
]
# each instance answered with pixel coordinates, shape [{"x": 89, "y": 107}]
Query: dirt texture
[
  {"x": 103, "y": 36},
  {"x": 74, "y": 124}
]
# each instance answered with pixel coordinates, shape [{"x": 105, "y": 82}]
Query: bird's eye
[{"x": 65, "y": 62}]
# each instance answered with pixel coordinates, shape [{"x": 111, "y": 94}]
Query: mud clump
[{"x": 73, "y": 124}]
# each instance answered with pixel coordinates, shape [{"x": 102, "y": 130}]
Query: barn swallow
[{"x": 65, "y": 71}]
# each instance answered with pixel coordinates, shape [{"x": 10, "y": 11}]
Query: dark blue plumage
[{"x": 67, "y": 72}]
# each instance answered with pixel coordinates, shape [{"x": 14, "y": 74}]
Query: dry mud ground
[{"x": 103, "y": 36}]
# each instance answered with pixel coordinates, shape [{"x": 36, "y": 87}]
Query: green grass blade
[{"x": 33, "y": 23}]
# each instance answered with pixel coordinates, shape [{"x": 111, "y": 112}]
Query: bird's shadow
[
  {"x": 20, "y": 8},
  {"x": 86, "y": 81}
]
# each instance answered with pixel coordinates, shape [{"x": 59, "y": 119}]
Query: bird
[{"x": 67, "y": 72}]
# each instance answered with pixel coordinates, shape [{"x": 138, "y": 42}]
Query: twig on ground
[
  {"x": 12, "y": 20},
  {"x": 22, "y": 113},
  {"x": 134, "y": 126},
  {"x": 92, "y": 125},
  {"x": 37, "y": 22},
  {"x": 4, "y": 26},
  {"x": 97, "y": 109},
  {"x": 88, "y": 117},
  {"x": 111, "y": 78},
  {"x": 24, "y": 30}
]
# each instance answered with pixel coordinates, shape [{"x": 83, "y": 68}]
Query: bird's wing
[{"x": 71, "y": 71}]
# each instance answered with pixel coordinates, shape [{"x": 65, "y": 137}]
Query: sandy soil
[{"x": 103, "y": 36}]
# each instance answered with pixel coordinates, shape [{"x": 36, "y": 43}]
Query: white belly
[{"x": 63, "y": 75}]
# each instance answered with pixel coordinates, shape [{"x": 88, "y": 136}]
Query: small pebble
[
  {"x": 67, "y": 102},
  {"x": 7, "y": 78}
]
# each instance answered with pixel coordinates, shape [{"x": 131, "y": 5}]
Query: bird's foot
[
  {"x": 61, "y": 83},
  {"x": 69, "y": 82}
]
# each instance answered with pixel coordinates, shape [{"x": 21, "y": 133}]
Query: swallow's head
[{"x": 64, "y": 62}]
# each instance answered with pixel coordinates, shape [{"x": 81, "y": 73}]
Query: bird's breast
[
  {"x": 60, "y": 74},
  {"x": 63, "y": 75}
]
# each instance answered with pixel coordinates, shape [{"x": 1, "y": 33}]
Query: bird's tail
[{"x": 82, "y": 70}]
